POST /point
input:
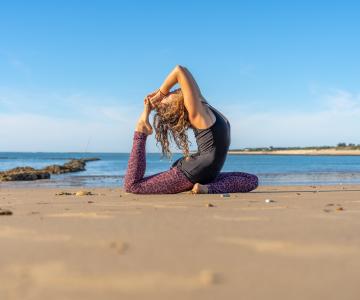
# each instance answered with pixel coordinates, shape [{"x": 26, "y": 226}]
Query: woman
[{"x": 176, "y": 112}]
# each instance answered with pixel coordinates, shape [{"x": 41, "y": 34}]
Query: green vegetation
[{"x": 339, "y": 146}]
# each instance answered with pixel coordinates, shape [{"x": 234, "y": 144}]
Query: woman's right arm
[{"x": 190, "y": 89}]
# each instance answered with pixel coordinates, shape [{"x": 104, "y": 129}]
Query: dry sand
[
  {"x": 113, "y": 245},
  {"x": 311, "y": 152}
]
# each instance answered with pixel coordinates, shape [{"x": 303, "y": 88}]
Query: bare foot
[
  {"x": 143, "y": 124},
  {"x": 199, "y": 189}
]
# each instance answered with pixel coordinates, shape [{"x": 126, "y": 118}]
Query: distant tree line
[{"x": 342, "y": 146}]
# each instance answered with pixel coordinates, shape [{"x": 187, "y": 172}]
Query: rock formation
[{"x": 28, "y": 173}]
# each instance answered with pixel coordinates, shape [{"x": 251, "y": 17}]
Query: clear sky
[{"x": 73, "y": 74}]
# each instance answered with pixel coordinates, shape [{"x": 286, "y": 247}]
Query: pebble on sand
[
  {"x": 269, "y": 201},
  {"x": 225, "y": 195},
  {"x": 210, "y": 205}
]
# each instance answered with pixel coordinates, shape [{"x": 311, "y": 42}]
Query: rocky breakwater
[{"x": 28, "y": 173}]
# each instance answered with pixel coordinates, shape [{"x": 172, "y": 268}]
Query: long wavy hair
[{"x": 171, "y": 122}]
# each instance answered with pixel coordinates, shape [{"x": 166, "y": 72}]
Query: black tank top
[{"x": 213, "y": 144}]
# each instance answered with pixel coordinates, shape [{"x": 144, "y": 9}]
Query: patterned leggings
[{"x": 174, "y": 181}]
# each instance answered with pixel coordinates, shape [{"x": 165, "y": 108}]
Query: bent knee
[{"x": 254, "y": 182}]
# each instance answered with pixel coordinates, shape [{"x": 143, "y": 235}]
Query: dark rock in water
[
  {"x": 90, "y": 159},
  {"x": 74, "y": 165},
  {"x": 23, "y": 173},
  {"x": 28, "y": 173}
]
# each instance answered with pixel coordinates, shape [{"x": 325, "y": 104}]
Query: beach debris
[
  {"x": 90, "y": 201},
  {"x": 331, "y": 205},
  {"x": 298, "y": 194},
  {"x": 269, "y": 201},
  {"x": 225, "y": 195},
  {"x": 84, "y": 193},
  {"x": 29, "y": 173},
  {"x": 210, "y": 205},
  {"x": 64, "y": 194},
  {"x": 5, "y": 212}
]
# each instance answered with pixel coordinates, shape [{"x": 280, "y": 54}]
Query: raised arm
[{"x": 190, "y": 89}]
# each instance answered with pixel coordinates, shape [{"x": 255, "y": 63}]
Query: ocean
[{"x": 110, "y": 170}]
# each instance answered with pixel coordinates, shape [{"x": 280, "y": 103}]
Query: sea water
[{"x": 109, "y": 171}]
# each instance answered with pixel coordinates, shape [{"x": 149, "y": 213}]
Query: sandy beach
[
  {"x": 298, "y": 152},
  {"x": 303, "y": 243}
]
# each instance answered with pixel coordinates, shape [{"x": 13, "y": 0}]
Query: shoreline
[
  {"x": 21, "y": 185},
  {"x": 330, "y": 152}
]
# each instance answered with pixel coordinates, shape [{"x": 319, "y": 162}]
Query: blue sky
[{"x": 284, "y": 72}]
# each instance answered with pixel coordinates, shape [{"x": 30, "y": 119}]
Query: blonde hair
[{"x": 171, "y": 122}]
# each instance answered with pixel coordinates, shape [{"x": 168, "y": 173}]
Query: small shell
[
  {"x": 269, "y": 201},
  {"x": 83, "y": 193}
]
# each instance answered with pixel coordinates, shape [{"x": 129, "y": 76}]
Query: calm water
[{"x": 271, "y": 169}]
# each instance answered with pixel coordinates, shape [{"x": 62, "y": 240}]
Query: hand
[
  {"x": 154, "y": 98},
  {"x": 151, "y": 94}
]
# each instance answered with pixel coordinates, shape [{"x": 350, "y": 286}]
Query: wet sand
[{"x": 303, "y": 244}]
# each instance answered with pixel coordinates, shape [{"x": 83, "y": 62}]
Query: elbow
[{"x": 179, "y": 68}]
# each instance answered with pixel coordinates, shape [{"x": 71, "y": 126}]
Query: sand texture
[{"x": 304, "y": 244}]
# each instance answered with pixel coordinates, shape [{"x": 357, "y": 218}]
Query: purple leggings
[{"x": 174, "y": 181}]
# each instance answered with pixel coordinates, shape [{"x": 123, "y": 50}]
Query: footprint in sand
[
  {"x": 289, "y": 248},
  {"x": 86, "y": 215},
  {"x": 58, "y": 276},
  {"x": 261, "y": 207},
  {"x": 239, "y": 219},
  {"x": 119, "y": 246},
  {"x": 31, "y": 235}
]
